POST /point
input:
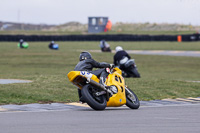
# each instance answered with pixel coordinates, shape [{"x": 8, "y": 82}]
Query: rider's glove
[{"x": 112, "y": 65}]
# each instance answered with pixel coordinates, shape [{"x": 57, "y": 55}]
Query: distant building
[{"x": 97, "y": 24}]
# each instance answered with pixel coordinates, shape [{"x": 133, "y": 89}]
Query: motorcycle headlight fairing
[{"x": 114, "y": 89}]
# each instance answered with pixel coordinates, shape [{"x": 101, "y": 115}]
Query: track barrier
[{"x": 114, "y": 37}]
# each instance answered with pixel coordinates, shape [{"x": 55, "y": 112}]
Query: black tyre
[
  {"x": 135, "y": 72},
  {"x": 132, "y": 100},
  {"x": 95, "y": 102}
]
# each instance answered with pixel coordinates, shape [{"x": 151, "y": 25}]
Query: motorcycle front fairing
[{"x": 115, "y": 79}]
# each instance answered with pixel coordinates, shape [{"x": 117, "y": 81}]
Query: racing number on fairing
[{"x": 86, "y": 74}]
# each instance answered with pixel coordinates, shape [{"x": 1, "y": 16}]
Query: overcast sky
[{"x": 132, "y": 11}]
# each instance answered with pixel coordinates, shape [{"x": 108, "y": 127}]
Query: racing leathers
[
  {"x": 120, "y": 55},
  {"x": 88, "y": 65}
]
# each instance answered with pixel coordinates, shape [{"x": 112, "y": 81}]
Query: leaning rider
[
  {"x": 86, "y": 63},
  {"x": 119, "y": 55}
]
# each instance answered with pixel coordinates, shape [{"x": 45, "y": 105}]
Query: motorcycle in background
[{"x": 128, "y": 67}]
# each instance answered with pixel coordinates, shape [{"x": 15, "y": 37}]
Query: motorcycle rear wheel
[
  {"x": 95, "y": 102},
  {"x": 132, "y": 101}
]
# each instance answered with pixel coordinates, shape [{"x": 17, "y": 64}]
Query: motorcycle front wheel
[
  {"x": 89, "y": 96},
  {"x": 135, "y": 72},
  {"x": 132, "y": 100}
]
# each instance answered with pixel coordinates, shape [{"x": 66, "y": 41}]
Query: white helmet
[
  {"x": 21, "y": 40},
  {"x": 118, "y": 48}
]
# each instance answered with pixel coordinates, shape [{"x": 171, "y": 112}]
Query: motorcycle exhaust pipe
[
  {"x": 95, "y": 84},
  {"x": 99, "y": 86}
]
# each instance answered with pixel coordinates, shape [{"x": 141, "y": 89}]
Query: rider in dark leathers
[
  {"x": 122, "y": 56},
  {"x": 51, "y": 44},
  {"x": 86, "y": 63},
  {"x": 120, "y": 53}
]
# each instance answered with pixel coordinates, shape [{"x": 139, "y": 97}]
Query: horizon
[{"x": 87, "y": 23}]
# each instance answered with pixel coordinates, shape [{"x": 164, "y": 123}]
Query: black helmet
[{"x": 85, "y": 55}]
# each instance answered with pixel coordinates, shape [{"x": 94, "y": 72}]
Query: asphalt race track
[
  {"x": 166, "y": 52},
  {"x": 174, "y": 118},
  {"x": 159, "y": 52},
  {"x": 180, "y": 115}
]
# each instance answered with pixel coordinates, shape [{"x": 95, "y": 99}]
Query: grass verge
[{"x": 162, "y": 76}]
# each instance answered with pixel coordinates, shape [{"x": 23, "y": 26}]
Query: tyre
[
  {"x": 95, "y": 102},
  {"x": 135, "y": 72},
  {"x": 132, "y": 100},
  {"x": 125, "y": 74}
]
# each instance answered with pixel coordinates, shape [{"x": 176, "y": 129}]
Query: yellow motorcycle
[{"x": 113, "y": 93}]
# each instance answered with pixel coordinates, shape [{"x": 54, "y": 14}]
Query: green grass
[{"x": 162, "y": 76}]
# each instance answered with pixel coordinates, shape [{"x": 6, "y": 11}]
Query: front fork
[
  {"x": 130, "y": 95},
  {"x": 101, "y": 87}
]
